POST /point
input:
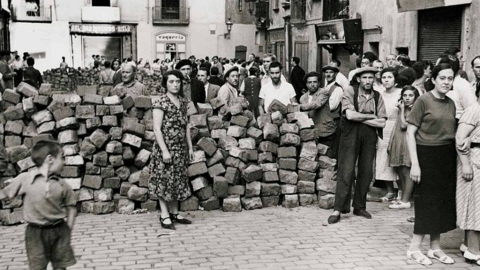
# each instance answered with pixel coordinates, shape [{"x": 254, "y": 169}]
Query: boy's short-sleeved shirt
[
  {"x": 284, "y": 94},
  {"x": 44, "y": 200}
]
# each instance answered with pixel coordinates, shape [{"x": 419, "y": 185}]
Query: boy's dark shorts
[{"x": 49, "y": 244}]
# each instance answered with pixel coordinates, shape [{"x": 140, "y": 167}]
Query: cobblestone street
[{"x": 271, "y": 238}]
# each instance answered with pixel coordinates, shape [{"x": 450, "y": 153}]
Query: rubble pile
[{"x": 240, "y": 162}]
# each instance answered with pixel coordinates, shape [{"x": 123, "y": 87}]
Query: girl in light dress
[{"x": 398, "y": 156}]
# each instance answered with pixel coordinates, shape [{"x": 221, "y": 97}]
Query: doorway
[
  {"x": 108, "y": 46},
  {"x": 241, "y": 52}
]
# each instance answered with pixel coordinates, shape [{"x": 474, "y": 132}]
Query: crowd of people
[
  {"x": 388, "y": 121},
  {"x": 14, "y": 70}
]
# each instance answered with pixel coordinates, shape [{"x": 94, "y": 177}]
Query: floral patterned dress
[{"x": 170, "y": 181}]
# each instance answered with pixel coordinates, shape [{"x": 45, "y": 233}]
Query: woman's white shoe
[
  {"x": 471, "y": 258},
  {"x": 443, "y": 259},
  {"x": 421, "y": 258}
]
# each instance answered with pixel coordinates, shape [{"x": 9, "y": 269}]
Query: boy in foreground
[{"x": 47, "y": 201}]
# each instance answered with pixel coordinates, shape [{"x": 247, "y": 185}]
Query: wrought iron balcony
[
  {"x": 32, "y": 14},
  {"x": 171, "y": 15}
]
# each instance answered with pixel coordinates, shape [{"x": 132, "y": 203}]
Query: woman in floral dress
[{"x": 171, "y": 151}]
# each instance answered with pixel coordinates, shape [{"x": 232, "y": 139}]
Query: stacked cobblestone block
[
  {"x": 71, "y": 80},
  {"x": 239, "y": 162}
]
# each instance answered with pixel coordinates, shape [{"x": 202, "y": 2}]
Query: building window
[
  {"x": 275, "y": 5},
  {"x": 171, "y": 9},
  {"x": 335, "y": 9},
  {"x": 100, "y": 3},
  {"x": 304, "y": 10},
  {"x": 33, "y": 8}
]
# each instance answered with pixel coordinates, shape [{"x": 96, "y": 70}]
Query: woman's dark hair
[
  {"x": 391, "y": 70},
  {"x": 107, "y": 64},
  {"x": 409, "y": 88},
  {"x": 253, "y": 71},
  {"x": 405, "y": 77},
  {"x": 404, "y": 59},
  {"x": 30, "y": 61},
  {"x": 419, "y": 68},
  {"x": 454, "y": 64},
  {"x": 439, "y": 68},
  {"x": 42, "y": 149},
  {"x": 175, "y": 73}
]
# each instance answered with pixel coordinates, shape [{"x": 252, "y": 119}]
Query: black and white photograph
[{"x": 239, "y": 134}]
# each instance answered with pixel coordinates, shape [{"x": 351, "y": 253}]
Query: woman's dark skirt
[{"x": 435, "y": 211}]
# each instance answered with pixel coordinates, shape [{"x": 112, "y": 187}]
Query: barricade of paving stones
[
  {"x": 239, "y": 163},
  {"x": 67, "y": 80}
]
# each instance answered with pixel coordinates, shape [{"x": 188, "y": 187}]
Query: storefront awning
[{"x": 413, "y": 5}]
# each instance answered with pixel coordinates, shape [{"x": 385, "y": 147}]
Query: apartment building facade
[{"x": 148, "y": 29}]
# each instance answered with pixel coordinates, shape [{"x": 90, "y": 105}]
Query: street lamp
[{"x": 229, "y": 24}]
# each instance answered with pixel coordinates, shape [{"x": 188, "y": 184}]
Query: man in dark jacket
[
  {"x": 193, "y": 89},
  {"x": 296, "y": 77},
  {"x": 31, "y": 75}
]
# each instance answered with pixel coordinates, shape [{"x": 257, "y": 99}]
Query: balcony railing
[
  {"x": 32, "y": 14},
  {"x": 171, "y": 15},
  {"x": 335, "y": 9}
]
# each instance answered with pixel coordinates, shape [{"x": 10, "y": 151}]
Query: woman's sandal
[
  {"x": 167, "y": 226},
  {"x": 443, "y": 259},
  {"x": 421, "y": 259},
  {"x": 471, "y": 258},
  {"x": 174, "y": 217},
  {"x": 389, "y": 197}
]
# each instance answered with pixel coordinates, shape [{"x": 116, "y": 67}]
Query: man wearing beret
[
  {"x": 228, "y": 92},
  {"x": 363, "y": 119},
  {"x": 193, "y": 89}
]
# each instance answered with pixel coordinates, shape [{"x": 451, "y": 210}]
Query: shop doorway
[
  {"x": 110, "y": 47},
  {"x": 170, "y": 46}
]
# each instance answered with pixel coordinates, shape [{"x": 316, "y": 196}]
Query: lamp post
[{"x": 229, "y": 24}]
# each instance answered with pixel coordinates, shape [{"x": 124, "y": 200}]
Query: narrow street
[{"x": 271, "y": 238}]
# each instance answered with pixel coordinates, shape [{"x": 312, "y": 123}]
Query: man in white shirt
[
  {"x": 211, "y": 90},
  {"x": 462, "y": 93},
  {"x": 276, "y": 88},
  {"x": 340, "y": 78}
]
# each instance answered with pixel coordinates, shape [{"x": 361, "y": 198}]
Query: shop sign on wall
[
  {"x": 170, "y": 37},
  {"x": 100, "y": 29}
]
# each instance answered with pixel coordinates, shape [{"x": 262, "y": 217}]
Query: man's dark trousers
[{"x": 358, "y": 141}]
